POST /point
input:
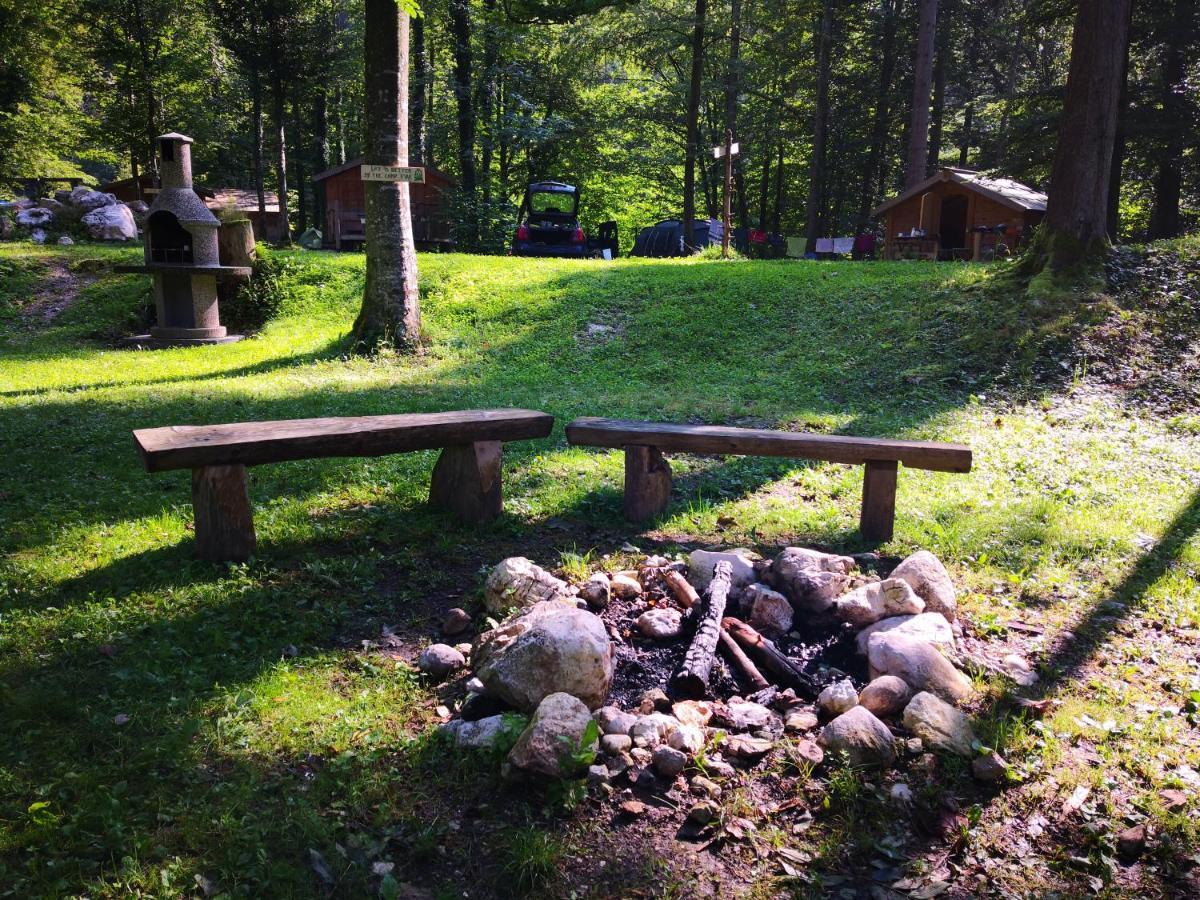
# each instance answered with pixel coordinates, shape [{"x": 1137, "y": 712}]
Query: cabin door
[{"x": 953, "y": 229}]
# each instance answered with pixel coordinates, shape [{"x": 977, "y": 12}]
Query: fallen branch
[
  {"x": 744, "y": 663},
  {"x": 684, "y": 593},
  {"x": 771, "y": 658},
  {"x": 692, "y": 678}
]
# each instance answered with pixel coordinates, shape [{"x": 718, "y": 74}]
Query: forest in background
[{"x": 818, "y": 92}]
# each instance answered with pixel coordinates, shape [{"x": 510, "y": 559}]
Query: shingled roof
[{"x": 1011, "y": 193}]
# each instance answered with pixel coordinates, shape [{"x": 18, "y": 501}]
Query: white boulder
[
  {"x": 517, "y": 583},
  {"x": 927, "y": 576},
  {"x": 35, "y": 217},
  {"x": 770, "y": 611},
  {"x": 596, "y": 591},
  {"x": 877, "y": 600},
  {"x": 483, "y": 733},
  {"x": 886, "y": 696},
  {"x": 927, "y": 626},
  {"x": 660, "y": 623},
  {"x": 552, "y": 648},
  {"x": 864, "y": 739},
  {"x": 939, "y": 725},
  {"x": 553, "y": 743},
  {"x": 838, "y": 697},
  {"x": 809, "y": 578},
  {"x": 89, "y": 200},
  {"x": 702, "y": 562},
  {"x": 111, "y": 223},
  {"x": 440, "y": 660},
  {"x": 919, "y": 664}
]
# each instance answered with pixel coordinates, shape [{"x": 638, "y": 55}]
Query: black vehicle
[
  {"x": 666, "y": 237},
  {"x": 549, "y": 222}
]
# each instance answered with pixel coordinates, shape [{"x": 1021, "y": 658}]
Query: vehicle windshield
[{"x": 561, "y": 202}]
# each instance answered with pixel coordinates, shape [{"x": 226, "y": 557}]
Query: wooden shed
[
  {"x": 960, "y": 214},
  {"x": 345, "y": 207}
]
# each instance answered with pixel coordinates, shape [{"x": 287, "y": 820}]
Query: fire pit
[{"x": 182, "y": 254}]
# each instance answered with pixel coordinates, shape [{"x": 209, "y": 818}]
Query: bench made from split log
[
  {"x": 466, "y": 478},
  {"x": 648, "y": 475}
]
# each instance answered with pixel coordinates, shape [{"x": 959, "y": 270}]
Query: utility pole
[{"x": 728, "y": 150}]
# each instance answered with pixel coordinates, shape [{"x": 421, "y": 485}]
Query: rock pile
[
  {"x": 553, "y": 679},
  {"x": 104, "y": 217}
]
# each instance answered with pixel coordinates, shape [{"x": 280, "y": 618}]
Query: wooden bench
[
  {"x": 648, "y": 475},
  {"x": 466, "y": 478}
]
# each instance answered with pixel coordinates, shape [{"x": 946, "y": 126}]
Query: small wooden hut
[
  {"x": 345, "y": 207},
  {"x": 960, "y": 214}
]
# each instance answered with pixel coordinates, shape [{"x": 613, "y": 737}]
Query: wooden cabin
[
  {"x": 960, "y": 214},
  {"x": 345, "y": 207},
  {"x": 269, "y": 228}
]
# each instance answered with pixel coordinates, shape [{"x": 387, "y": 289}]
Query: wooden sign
[
  {"x": 718, "y": 152},
  {"x": 415, "y": 174}
]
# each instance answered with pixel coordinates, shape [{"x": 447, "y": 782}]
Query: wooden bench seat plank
[
  {"x": 723, "y": 440},
  {"x": 254, "y": 443}
]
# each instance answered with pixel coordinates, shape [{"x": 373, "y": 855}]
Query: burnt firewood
[
  {"x": 692, "y": 678},
  {"x": 785, "y": 671},
  {"x": 744, "y": 664},
  {"x": 684, "y": 593}
]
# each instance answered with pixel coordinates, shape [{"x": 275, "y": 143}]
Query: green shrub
[{"x": 259, "y": 300}]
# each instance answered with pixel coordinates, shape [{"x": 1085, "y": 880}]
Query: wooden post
[
  {"x": 647, "y": 482},
  {"x": 879, "y": 500},
  {"x": 466, "y": 481},
  {"x": 223, "y": 520}
]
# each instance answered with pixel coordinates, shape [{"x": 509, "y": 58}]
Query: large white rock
[
  {"x": 440, "y": 660},
  {"x": 919, "y": 664},
  {"x": 926, "y": 626},
  {"x": 483, "y": 733},
  {"x": 927, "y": 576},
  {"x": 35, "y": 218},
  {"x": 553, "y": 743},
  {"x": 877, "y": 600},
  {"x": 517, "y": 583},
  {"x": 553, "y": 648},
  {"x": 864, "y": 739},
  {"x": 838, "y": 697},
  {"x": 88, "y": 200},
  {"x": 702, "y": 562},
  {"x": 111, "y": 223},
  {"x": 660, "y": 623},
  {"x": 809, "y": 578},
  {"x": 770, "y": 611},
  {"x": 939, "y": 725}
]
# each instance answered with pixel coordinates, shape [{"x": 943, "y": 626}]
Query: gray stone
[
  {"x": 989, "y": 768},
  {"x": 886, "y": 696},
  {"x": 456, "y": 622},
  {"x": 65, "y": 241},
  {"x": 718, "y": 767},
  {"x": 598, "y": 775},
  {"x": 612, "y": 744},
  {"x": 553, "y": 742},
  {"x": 655, "y": 699},
  {"x": 660, "y": 623},
  {"x": 927, "y": 576},
  {"x": 652, "y": 730},
  {"x": 704, "y": 812},
  {"x": 877, "y": 600},
  {"x": 625, "y": 587},
  {"x": 938, "y": 724},
  {"x": 89, "y": 200},
  {"x": 809, "y": 578},
  {"x": 741, "y": 560},
  {"x": 687, "y": 738},
  {"x": 705, "y": 787},
  {"x": 552, "y": 648},
  {"x": 668, "y": 761},
  {"x": 800, "y": 720},
  {"x": 37, "y": 236},
  {"x": 440, "y": 660},
  {"x": 484, "y": 733},
  {"x": 927, "y": 626},
  {"x": 864, "y": 739},
  {"x": 517, "y": 583},
  {"x": 919, "y": 664},
  {"x": 111, "y": 223},
  {"x": 596, "y": 591},
  {"x": 743, "y": 715},
  {"x": 747, "y": 748},
  {"x": 614, "y": 720},
  {"x": 770, "y": 611},
  {"x": 838, "y": 697},
  {"x": 35, "y": 218}
]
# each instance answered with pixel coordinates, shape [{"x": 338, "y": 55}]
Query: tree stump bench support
[
  {"x": 648, "y": 474},
  {"x": 466, "y": 479}
]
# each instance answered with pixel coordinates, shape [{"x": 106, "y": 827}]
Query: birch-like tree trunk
[{"x": 693, "y": 127}]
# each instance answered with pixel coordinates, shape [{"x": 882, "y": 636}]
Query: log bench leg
[
  {"x": 879, "y": 501},
  {"x": 224, "y": 521},
  {"x": 647, "y": 482},
  {"x": 466, "y": 481}
]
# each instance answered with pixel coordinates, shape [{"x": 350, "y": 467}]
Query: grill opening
[{"x": 169, "y": 241}]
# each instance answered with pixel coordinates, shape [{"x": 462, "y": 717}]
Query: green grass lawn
[{"x": 172, "y": 726}]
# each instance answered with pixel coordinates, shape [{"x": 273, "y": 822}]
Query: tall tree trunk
[
  {"x": 822, "y": 38},
  {"x": 939, "y": 95},
  {"x": 298, "y": 156},
  {"x": 693, "y": 127},
  {"x": 1168, "y": 183},
  {"x": 918, "y": 132},
  {"x": 417, "y": 93},
  {"x": 964, "y": 142},
  {"x": 487, "y": 97},
  {"x": 733, "y": 80},
  {"x": 391, "y": 310},
  {"x": 777, "y": 213},
  {"x": 259, "y": 162},
  {"x": 285, "y": 225},
  {"x": 872, "y": 178},
  {"x": 1113, "y": 215},
  {"x": 1010, "y": 95},
  {"x": 321, "y": 152},
  {"x": 764, "y": 189},
  {"x": 1074, "y": 231},
  {"x": 460, "y": 23}
]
